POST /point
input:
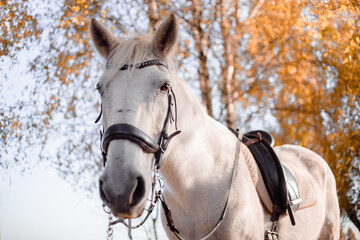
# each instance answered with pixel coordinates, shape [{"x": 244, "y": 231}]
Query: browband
[{"x": 140, "y": 65}]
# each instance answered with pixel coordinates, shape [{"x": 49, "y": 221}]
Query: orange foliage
[{"x": 296, "y": 60}]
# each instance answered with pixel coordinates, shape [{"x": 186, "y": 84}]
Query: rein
[
  {"x": 223, "y": 214},
  {"x": 148, "y": 145}
]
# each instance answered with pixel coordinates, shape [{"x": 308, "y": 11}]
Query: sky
[{"x": 39, "y": 205}]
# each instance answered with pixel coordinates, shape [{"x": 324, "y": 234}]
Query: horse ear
[
  {"x": 102, "y": 38},
  {"x": 165, "y": 36}
]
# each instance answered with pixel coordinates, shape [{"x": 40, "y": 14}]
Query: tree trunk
[
  {"x": 228, "y": 85},
  {"x": 352, "y": 214},
  {"x": 153, "y": 15},
  {"x": 201, "y": 46}
]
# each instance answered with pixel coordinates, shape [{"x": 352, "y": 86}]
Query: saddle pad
[{"x": 307, "y": 192}]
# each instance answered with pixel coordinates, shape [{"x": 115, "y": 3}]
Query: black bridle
[
  {"x": 134, "y": 134},
  {"x": 148, "y": 145}
]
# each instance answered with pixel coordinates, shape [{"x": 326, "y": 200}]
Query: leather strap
[
  {"x": 131, "y": 133},
  {"x": 140, "y": 65},
  {"x": 251, "y": 141},
  {"x": 167, "y": 211},
  {"x": 99, "y": 117}
]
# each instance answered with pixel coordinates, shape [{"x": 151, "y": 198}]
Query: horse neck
[{"x": 202, "y": 155}]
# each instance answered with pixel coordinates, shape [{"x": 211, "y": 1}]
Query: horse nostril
[
  {"x": 138, "y": 191},
  {"x": 102, "y": 193}
]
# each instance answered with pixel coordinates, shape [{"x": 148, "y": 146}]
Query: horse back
[
  {"x": 317, "y": 189},
  {"x": 309, "y": 169}
]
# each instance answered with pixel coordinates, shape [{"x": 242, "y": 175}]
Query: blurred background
[{"x": 290, "y": 67}]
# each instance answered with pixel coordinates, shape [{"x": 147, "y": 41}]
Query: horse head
[{"x": 136, "y": 96}]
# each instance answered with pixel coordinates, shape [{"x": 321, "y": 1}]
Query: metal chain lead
[
  {"x": 129, "y": 229},
  {"x": 110, "y": 229},
  {"x": 157, "y": 189}
]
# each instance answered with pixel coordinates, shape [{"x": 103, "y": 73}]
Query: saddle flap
[
  {"x": 271, "y": 170},
  {"x": 275, "y": 183}
]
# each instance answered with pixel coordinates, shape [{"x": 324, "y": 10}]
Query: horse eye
[{"x": 165, "y": 87}]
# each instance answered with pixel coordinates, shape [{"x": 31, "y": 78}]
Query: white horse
[{"x": 198, "y": 164}]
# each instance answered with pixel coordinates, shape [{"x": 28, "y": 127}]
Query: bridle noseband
[
  {"x": 131, "y": 133},
  {"x": 134, "y": 134}
]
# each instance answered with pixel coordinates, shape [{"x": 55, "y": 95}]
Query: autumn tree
[
  {"x": 308, "y": 53},
  {"x": 349, "y": 235},
  {"x": 289, "y": 66}
]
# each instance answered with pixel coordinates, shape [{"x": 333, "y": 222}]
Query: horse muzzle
[{"x": 127, "y": 200}]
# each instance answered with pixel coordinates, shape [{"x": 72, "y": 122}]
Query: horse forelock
[
  {"x": 135, "y": 50},
  {"x": 130, "y": 51}
]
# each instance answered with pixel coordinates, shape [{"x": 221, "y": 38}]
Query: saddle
[{"x": 280, "y": 184}]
